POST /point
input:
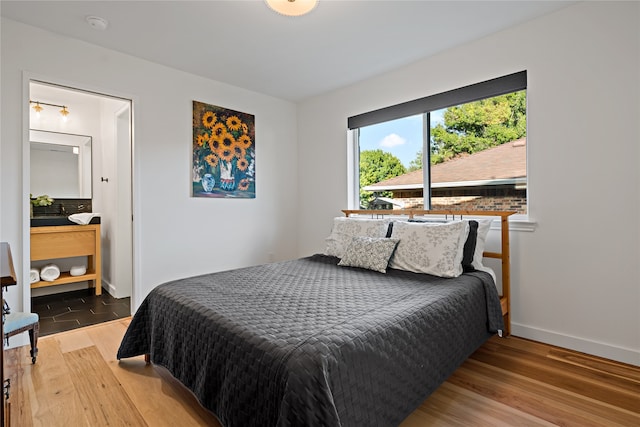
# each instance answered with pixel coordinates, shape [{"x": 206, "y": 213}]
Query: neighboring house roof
[{"x": 504, "y": 164}]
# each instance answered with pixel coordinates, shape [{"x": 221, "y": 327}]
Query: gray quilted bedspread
[{"x": 309, "y": 343}]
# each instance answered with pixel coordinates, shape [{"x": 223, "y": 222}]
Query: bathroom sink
[{"x": 46, "y": 221}]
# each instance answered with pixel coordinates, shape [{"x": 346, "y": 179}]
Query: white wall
[
  {"x": 175, "y": 235},
  {"x": 576, "y": 278}
]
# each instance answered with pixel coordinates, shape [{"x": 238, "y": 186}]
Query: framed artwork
[{"x": 224, "y": 156}]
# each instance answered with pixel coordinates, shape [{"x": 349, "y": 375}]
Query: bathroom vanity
[{"x": 50, "y": 242}]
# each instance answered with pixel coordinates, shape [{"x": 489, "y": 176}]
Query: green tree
[
  {"x": 376, "y": 166},
  {"x": 476, "y": 126},
  {"x": 415, "y": 164}
]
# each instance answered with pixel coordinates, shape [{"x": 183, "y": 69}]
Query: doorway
[{"x": 107, "y": 121}]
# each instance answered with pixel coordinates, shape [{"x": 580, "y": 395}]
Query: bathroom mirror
[{"x": 60, "y": 165}]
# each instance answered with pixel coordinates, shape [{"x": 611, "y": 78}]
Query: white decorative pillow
[
  {"x": 372, "y": 253},
  {"x": 483, "y": 231},
  {"x": 344, "y": 229},
  {"x": 430, "y": 248}
]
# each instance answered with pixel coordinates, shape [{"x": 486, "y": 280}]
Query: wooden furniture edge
[
  {"x": 8, "y": 275},
  {"x": 63, "y": 228},
  {"x": 8, "y": 278},
  {"x": 94, "y": 259},
  {"x": 503, "y": 255},
  {"x": 65, "y": 278}
]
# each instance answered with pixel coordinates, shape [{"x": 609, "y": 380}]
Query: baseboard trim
[
  {"x": 608, "y": 351},
  {"x": 108, "y": 287}
]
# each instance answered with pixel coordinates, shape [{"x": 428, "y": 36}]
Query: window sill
[{"x": 519, "y": 224}]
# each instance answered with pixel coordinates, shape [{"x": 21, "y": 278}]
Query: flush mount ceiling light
[
  {"x": 96, "y": 22},
  {"x": 292, "y": 7}
]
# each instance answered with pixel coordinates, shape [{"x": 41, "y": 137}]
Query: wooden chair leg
[{"x": 33, "y": 339}]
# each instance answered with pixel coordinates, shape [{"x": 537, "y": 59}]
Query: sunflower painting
[{"x": 223, "y": 153}]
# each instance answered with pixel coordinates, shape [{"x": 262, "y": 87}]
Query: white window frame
[{"x": 487, "y": 89}]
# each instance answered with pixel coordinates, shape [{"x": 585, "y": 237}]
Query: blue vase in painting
[{"x": 208, "y": 182}]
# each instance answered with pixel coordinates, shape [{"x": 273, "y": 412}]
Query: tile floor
[{"x": 71, "y": 310}]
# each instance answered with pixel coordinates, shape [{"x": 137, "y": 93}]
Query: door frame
[{"x": 27, "y": 78}]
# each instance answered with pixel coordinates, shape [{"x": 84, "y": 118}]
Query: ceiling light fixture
[
  {"x": 292, "y": 7},
  {"x": 38, "y": 107}
]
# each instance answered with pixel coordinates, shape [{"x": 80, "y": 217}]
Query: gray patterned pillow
[
  {"x": 430, "y": 248},
  {"x": 344, "y": 229},
  {"x": 372, "y": 253}
]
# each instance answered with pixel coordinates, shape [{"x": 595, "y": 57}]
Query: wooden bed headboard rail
[{"x": 503, "y": 255}]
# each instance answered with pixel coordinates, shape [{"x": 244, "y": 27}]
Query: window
[{"x": 468, "y": 145}]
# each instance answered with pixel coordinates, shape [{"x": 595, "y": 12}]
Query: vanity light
[
  {"x": 38, "y": 107},
  {"x": 64, "y": 113}
]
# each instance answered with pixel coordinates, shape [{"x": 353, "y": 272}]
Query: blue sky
[{"x": 402, "y": 137}]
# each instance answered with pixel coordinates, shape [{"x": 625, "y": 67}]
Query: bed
[{"x": 311, "y": 342}]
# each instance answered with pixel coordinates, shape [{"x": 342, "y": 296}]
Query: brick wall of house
[
  {"x": 495, "y": 203},
  {"x": 481, "y": 198}
]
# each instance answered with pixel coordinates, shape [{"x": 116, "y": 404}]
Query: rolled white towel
[
  {"x": 83, "y": 218},
  {"x": 34, "y": 275},
  {"x": 78, "y": 270},
  {"x": 50, "y": 272}
]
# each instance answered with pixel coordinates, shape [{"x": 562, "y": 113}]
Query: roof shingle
[{"x": 506, "y": 161}]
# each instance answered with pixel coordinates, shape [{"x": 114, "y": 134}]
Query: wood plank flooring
[{"x": 508, "y": 382}]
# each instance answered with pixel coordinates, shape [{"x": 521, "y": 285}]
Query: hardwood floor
[{"x": 508, "y": 382}]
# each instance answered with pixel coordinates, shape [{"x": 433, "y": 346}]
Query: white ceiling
[{"x": 246, "y": 44}]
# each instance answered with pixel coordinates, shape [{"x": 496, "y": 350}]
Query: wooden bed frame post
[
  {"x": 503, "y": 255},
  {"x": 506, "y": 275}
]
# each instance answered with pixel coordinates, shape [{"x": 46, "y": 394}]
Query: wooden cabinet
[
  {"x": 7, "y": 278},
  {"x": 66, "y": 241}
]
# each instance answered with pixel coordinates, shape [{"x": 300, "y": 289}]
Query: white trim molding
[
  {"x": 517, "y": 224},
  {"x": 606, "y": 350}
]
